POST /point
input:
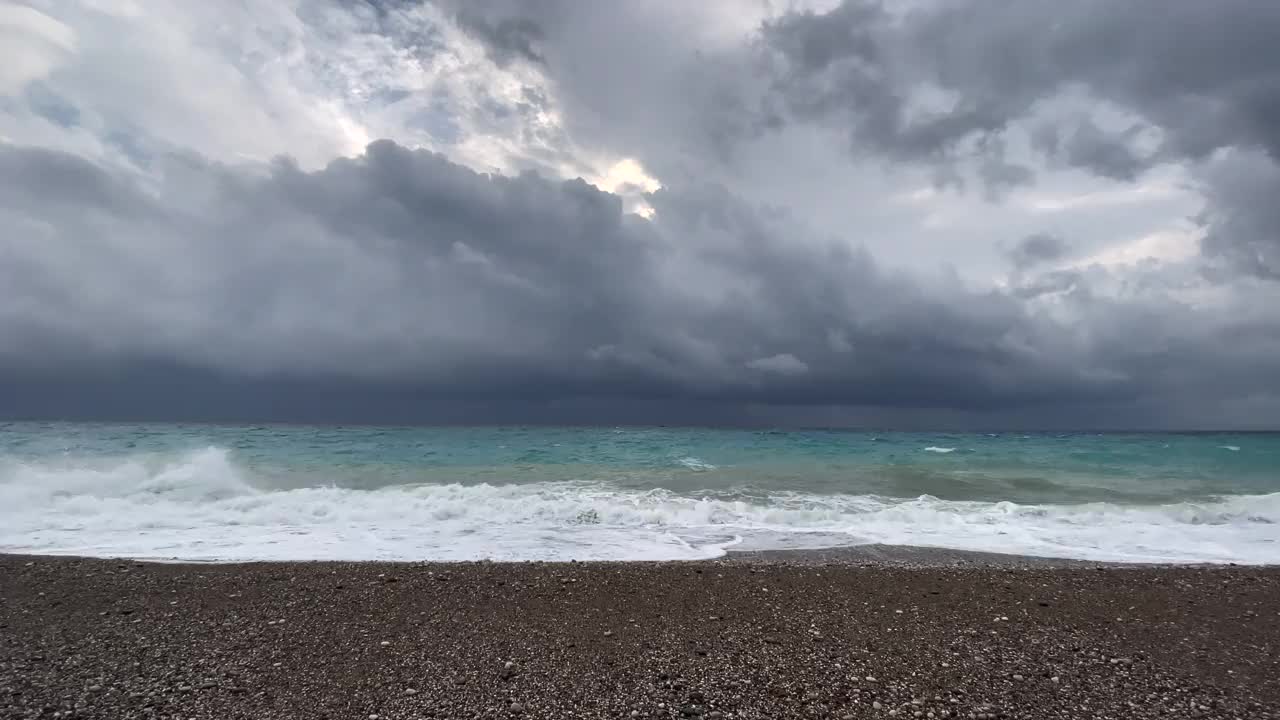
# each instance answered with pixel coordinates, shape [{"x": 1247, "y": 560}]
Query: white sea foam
[
  {"x": 694, "y": 463},
  {"x": 202, "y": 506},
  {"x": 936, "y": 449},
  {"x": 1232, "y": 448}
]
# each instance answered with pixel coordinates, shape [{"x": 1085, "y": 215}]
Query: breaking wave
[{"x": 202, "y": 505}]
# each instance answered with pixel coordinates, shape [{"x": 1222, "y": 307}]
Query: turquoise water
[{"x": 264, "y": 492}]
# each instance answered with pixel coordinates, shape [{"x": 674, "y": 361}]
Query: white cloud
[
  {"x": 1118, "y": 194},
  {"x": 245, "y": 82},
  {"x": 34, "y": 44},
  {"x": 1169, "y": 246}
]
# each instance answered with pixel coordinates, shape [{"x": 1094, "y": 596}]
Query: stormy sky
[{"x": 918, "y": 213}]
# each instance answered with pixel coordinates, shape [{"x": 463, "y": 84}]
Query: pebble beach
[{"x": 872, "y": 634}]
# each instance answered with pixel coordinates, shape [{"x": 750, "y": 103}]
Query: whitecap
[
  {"x": 203, "y": 505},
  {"x": 694, "y": 463},
  {"x": 935, "y": 449}
]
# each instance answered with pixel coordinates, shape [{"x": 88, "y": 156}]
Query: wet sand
[{"x": 873, "y": 633}]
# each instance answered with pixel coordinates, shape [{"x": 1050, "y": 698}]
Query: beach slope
[{"x": 738, "y": 638}]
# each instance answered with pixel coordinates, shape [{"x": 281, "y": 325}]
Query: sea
[{"x": 223, "y": 493}]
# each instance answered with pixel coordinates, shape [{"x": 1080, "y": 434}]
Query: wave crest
[{"x": 204, "y": 506}]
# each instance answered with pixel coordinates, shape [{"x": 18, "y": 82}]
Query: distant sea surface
[{"x": 232, "y": 493}]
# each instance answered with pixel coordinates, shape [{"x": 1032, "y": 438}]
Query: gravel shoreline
[{"x": 808, "y": 635}]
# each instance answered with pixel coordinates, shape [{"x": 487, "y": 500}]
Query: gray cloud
[
  {"x": 1038, "y": 248},
  {"x": 507, "y": 38},
  {"x": 766, "y": 109},
  {"x": 644, "y": 79},
  {"x": 1110, "y": 155},
  {"x": 1198, "y": 77},
  {"x": 399, "y": 286},
  {"x": 1243, "y": 217},
  {"x": 401, "y": 274}
]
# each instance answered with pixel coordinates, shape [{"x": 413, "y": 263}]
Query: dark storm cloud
[
  {"x": 400, "y": 280},
  {"x": 1198, "y": 77},
  {"x": 1204, "y": 72}
]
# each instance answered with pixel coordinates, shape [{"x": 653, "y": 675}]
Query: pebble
[{"x": 763, "y": 686}]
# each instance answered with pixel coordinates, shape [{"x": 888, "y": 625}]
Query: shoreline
[
  {"x": 736, "y": 637},
  {"x": 922, "y": 556},
  {"x": 868, "y": 555}
]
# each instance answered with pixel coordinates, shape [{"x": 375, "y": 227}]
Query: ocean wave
[
  {"x": 1232, "y": 448},
  {"x": 936, "y": 449},
  {"x": 204, "y": 506},
  {"x": 694, "y": 463}
]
